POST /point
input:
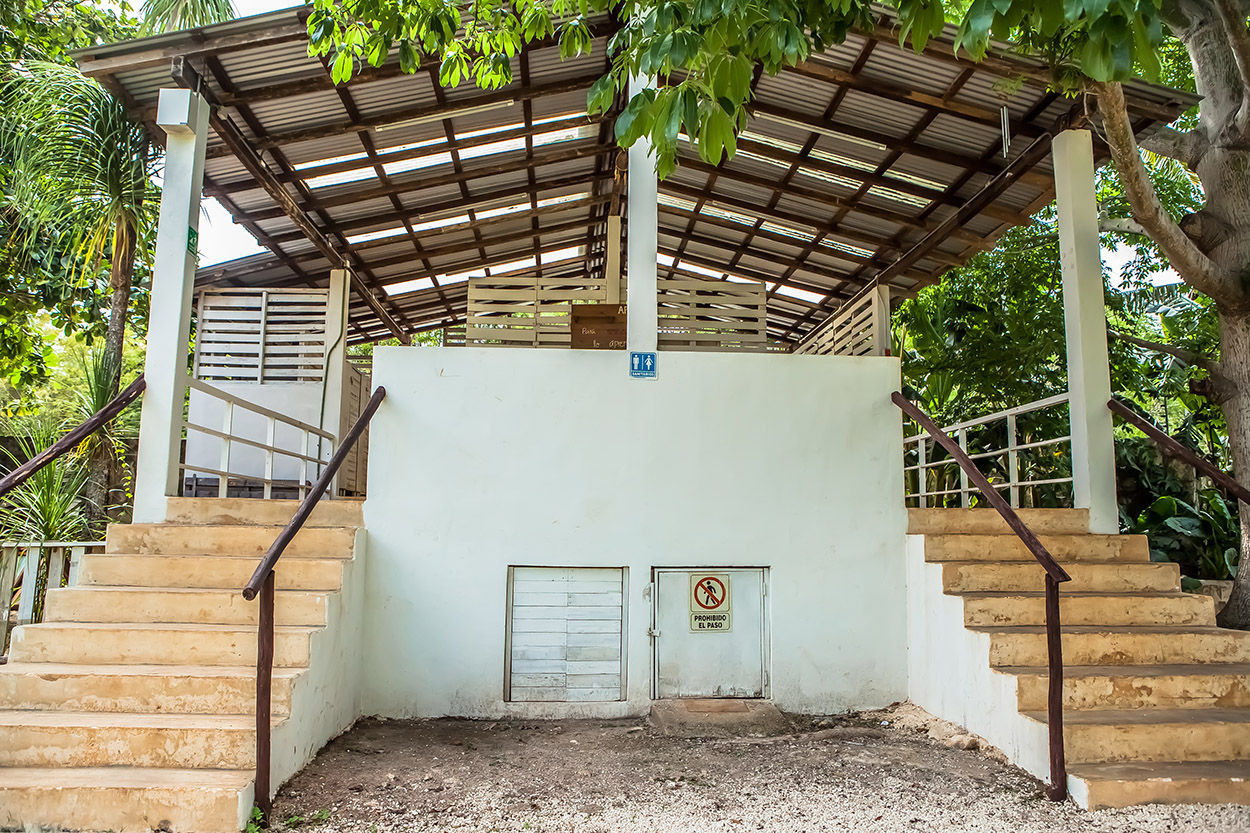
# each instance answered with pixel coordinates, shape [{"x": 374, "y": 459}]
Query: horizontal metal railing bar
[
  {"x": 243, "y": 476},
  {"x": 28, "y": 544},
  {"x": 213, "y": 432},
  {"x": 204, "y": 387},
  {"x": 1028, "y": 407},
  {"x": 1020, "y": 483}
]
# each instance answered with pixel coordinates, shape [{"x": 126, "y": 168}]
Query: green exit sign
[{"x": 193, "y": 242}]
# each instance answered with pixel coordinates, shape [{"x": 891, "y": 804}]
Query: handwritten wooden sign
[{"x": 598, "y": 326}]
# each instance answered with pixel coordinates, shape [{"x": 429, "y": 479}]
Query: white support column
[
  {"x": 333, "y": 403},
  {"x": 644, "y": 241},
  {"x": 1085, "y": 323},
  {"x": 184, "y": 117}
]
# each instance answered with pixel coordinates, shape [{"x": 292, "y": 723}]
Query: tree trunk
[
  {"x": 1235, "y": 362},
  {"x": 100, "y": 461}
]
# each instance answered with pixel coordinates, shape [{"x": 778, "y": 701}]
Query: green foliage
[
  {"x": 48, "y": 505},
  {"x": 255, "y": 821},
  {"x": 48, "y": 29},
  {"x": 703, "y": 53},
  {"x": 1203, "y": 536},
  {"x": 171, "y": 15}
]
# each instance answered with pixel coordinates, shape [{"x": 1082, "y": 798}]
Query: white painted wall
[
  {"x": 480, "y": 459},
  {"x": 950, "y": 674}
]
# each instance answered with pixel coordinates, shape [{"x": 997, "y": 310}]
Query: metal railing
[
  {"x": 42, "y": 565},
  {"x": 311, "y": 452},
  {"x": 1058, "y": 789},
  {"x": 1018, "y": 462},
  {"x": 263, "y": 584}
]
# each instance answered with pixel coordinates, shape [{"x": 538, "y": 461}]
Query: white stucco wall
[{"x": 480, "y": 459}]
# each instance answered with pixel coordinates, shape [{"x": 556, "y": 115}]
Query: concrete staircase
[
  {"x": 132, "y": 706},
  {"x": 1156, "y": 697}
]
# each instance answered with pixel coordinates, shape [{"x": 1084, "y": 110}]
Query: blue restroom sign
[{"x": 643, "y": 365}]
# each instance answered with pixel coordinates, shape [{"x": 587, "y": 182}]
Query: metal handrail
[
  {"x": 1058, "y": 789},
  {"x": 263, "y": 583},
  {"x": 71, "y": 440},
  {"x": 1174, "y": 449}
]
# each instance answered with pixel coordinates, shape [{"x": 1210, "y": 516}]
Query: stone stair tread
[
  {"x": 1168, "y": 629},
  {"x": 1146, "y": 717},
  {"x": 1090, "y": 594},
  {"x": 60, "y": 669},
  {"x": 1189, "y": 669},
  {"x": 123, "y": 777},
  {"x": 1162, "y": 771},
  {"x": 171, "y": 626},
  {"x": 125, "y": 720}
]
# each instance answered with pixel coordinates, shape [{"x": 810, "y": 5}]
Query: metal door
[{"x": 710, "y": 632}]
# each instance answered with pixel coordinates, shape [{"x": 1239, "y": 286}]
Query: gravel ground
[{"x": 895, "y": 770}]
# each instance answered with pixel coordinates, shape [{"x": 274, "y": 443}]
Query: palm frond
[
  {"x": 48, "y": 506},
  {"x": 172, "y": 15}
]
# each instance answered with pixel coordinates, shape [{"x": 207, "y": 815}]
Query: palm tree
[
  {"x": 171, "y": 15},
  {"x": 82, "y": 172}
]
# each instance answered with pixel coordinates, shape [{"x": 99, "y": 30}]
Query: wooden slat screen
[
  {"x": 357, "y": 389},
  {"x": 860, "y": 328},
  {"x": 526, "y": 310},
  {"x": 257, "y": 335},
  {"x": 697, "y": 314}
]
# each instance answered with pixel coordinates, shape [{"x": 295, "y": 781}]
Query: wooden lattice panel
[
  {"x": 860, "y": 328},
  {"x": 526, "y": 310},
  {"x": 699, "y": 314},
  {"x": 254, "y": 335}
]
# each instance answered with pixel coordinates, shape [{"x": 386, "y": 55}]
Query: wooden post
[
  {"x": 880, "y": 301},
  {"x": 183, "y": 115},
  {"x": 612, "y": 270},
  {"x": 264, "y": 689},
  {"x": 1085, "y": 324},
  {"x": 30, "y": 581},
  {"x": 1058, "y": 789}
]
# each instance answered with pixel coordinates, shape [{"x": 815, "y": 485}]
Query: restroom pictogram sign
[{"x": 710, "y": 602}]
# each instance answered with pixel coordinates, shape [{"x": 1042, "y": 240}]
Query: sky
[{"x": 222, "y": 240}]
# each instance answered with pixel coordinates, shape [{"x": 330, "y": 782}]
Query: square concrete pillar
[
  {"x": 640, "y": 258},
  {"x": 183, "y": 115},
  {"x": 1085, "y": 325}
]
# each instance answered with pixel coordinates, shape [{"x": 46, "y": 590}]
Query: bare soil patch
[{"x": 892, "y": 770}]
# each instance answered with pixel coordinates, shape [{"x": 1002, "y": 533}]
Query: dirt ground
[{"x": 881, "y": 771}]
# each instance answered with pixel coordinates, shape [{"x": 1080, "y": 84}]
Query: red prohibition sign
[{"x": 715, "y": 594}]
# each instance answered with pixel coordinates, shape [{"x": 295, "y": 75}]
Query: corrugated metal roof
[{"x": 852, "y": 160}]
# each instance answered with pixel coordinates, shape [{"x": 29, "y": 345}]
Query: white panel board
[{"x": 565, "y": 634}]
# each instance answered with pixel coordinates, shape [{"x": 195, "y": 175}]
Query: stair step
[
  {"x": 1145, "y": 735},
  {"x": 131, "y": 799},
  {"x": 1168, "y": 782},
  {"x": 1125, "y": 645},
  {"x": 256, "y": 512},
  {"x": 186, "y": 689},
  {"x": 254, "y": 541},
  {"x": 99, "y": 739},
  {"x": 997, "y": 576},
  {"x": 1064, "y": 548},
  {"x": 179, "y": 604},
  {"x": 229, "y": 572},
  {"x": 989, "y": 522},
  {"x": 1187, "y": 686},
  {"x": 987, "y": 609},
  {"x": 153, "y": 644}
]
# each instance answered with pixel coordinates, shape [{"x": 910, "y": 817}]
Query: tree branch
[
  {"x": 1187, "y": 356},
  {"x": 1190, "y": 262},
  {"x": 1234, "y": 22},
  {"x": 1123, "y": 225},
  {"x": 1185, "y": 146},
  {"x": 1224, "y": 386}
]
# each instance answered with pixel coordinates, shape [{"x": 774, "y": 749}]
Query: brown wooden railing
[
  {"x": 263, "y": 583},
  {"x": 1172, "y": 448},
  {"x": 71, "y": 440},
  {"x": 1058, "y": 790}
]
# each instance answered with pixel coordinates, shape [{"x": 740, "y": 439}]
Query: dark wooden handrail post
[
  {"x": 264, "y": 690},
  {"x": 1058, "y": 789},
  {"x": 263, "y": 584},
  {"x": 71, "y": 440}
]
